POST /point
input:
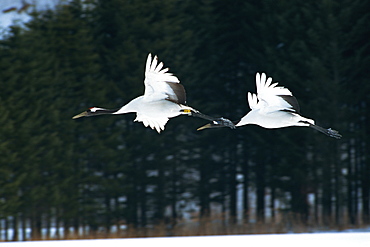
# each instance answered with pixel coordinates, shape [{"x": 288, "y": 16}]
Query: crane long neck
[
  {"x": 103, "y": 111},
  {"x": 219, "y": 122},
  {"x": 201, "y": 115}
]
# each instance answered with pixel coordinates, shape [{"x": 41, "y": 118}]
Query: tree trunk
[
  {"x": 24, "y": 227},
  {"x": 260, "y": 186},
  {"x": 15, "y": 228},
  {"x": 350, "y": 166},
  {"x": 232, "y": 186},
  {"x": 204, "y": 191},
  {"x": 245, "y": 192},
  {"x": 327, "y": 194}
]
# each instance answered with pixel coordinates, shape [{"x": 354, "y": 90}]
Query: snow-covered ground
[{"x": 347, "y": 239}]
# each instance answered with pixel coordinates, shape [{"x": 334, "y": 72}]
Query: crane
[
  {"x": 274, "y": 107},
  {"x": 164, "y": 98}
]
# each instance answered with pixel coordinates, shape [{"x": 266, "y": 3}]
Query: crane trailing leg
[
  {"x": 329, "y": 132},
  {"x": 221, "y": 122}
]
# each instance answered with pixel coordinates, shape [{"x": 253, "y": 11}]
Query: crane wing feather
[
  {"x": 292, "y": 101},
  {"x": 252, "y": 100},
  {"x": 272, "y": 97},
  {"x": 155, "y": 123},
  {"x": 159, "y": 84}
]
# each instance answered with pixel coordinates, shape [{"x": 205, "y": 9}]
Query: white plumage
[
  {"x": 274, "y": 107},
  {"x": 164, "y": 98}
]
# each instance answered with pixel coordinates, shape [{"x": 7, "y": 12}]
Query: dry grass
[
  {"x": 218, "y": 226},
  {"x": 212, "y": 226}
]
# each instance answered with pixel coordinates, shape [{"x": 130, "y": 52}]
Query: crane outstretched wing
[
  {"x": 159, "y": 84},
  {"x": 272, "y": 97},
  {"x": 252, "y": 100}
]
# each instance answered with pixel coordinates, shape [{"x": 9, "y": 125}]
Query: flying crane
[
  {"x": 164, "y": 98},
  {"x": 274, "y": 107}
]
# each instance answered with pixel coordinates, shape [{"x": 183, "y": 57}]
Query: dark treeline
[{"x": 106, "y": 172}]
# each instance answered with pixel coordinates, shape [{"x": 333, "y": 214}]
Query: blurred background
[{"x": 111, "y": 177}]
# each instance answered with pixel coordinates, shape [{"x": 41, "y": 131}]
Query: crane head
[
  {"x": 218, "y": 123},
  {"x": 91, "y": 112}
]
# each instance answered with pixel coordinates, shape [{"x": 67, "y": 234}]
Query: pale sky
[{"x": 9, "y": 10}]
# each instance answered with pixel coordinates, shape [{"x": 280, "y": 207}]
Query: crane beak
[
  {"x": 83, "y": 114},
  {"x": 207, "y": 126},
  {"x": 214, "y": 125}
]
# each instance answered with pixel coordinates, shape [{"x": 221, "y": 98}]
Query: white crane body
[
  {"x": 274, "y": 107},
  {"x": 164, "y": 98}
]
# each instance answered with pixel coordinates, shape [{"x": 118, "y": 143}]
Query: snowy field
[{"x": 347, "y": 239}]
